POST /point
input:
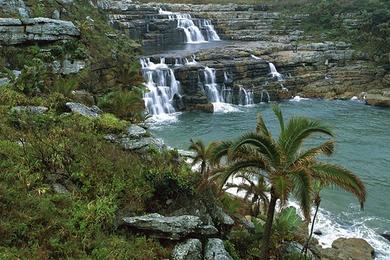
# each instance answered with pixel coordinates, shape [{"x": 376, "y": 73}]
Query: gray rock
[
  {"x": 14, "y": 6},
  {"x": 59, "y": 188},
  {"x": 136, "y": 131},
  {"x": 56, "y": 15},
  {"x": 188, "y": 250},
  {"x": 348, "y": 248},
  {"x": 386, "y": 235},
  {"x": 30, "y": 109},
  {"x": 67, "y": 67},
  {"x": 4, "y": 81},
  {"x": 173, "y": 228},
  {"x": 83, "y": 110},
  {"x": 220, "y": 217},
  {"x": 247, "y": 224},
  {"x": 128, "y": 143},
  {"x": 20, "y": 31},
  {"x": 215, "y": 250}
]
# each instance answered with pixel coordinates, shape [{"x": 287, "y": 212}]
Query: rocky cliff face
[
  {"x": 308, "y": 68},
  {"x": 31, "y": 30}
]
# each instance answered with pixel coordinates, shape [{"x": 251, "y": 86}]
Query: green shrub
[
  {"x": 108, "y": 123},
  {"x": 124, "y": 104}
]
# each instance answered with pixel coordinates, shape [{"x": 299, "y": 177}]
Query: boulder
[
  {"x": 30, "y": 109},
  {"x": 14, "y": 6},
  {"x": 20, "y": 31},
  {"x": 59, "y": 188},
  {"x": 386, "y": 235},
  {"x": 379, "y": 98},
  {"x": 67, "y": 67},
  {"x": 347, "y": 249},
  {"x": 215, "y": 250},
  {"x": 191, "y": 249},
  {"x": 136, "y": 131},
  {"x": 92, "y": 112},
  {"x": 129, "y": 143},
  {"x": 173, "y": 228}
]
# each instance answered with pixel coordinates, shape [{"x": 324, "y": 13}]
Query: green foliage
[
  {"x": 37, "y": 151},
  {"x": 108, "y": 123},
  {"x": 125, "y": 104},
  {"x": 287, "y": 223}
]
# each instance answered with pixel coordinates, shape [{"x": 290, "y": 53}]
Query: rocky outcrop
[
  {"x": 173, "y": 228},
  {"x": 29, "y": 109},
  {"x": 14, "y": 7},
  {"x": 215, "y": 249},
  {"x": 379, "y": 98},
  {"x": 136, "y": 131},
  {"x": 78, "y": 108},
  {"x": 191, "y": 249},
  {"x": 348, "y": 248},
  {"x": 67, "y": 67},
  {"x": 29, "y": 30},
  {"x": 309, "y": 69}
]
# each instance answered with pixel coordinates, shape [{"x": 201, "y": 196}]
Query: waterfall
[
  {"x": 246, "y": 97},
  {"x": 162, "y": 85},
  {"x": 193, "y": 29},
  {"x": 255, "y": 57},
  {"x": 266, "y": 95},
  {"x": 211, "y": 87},
  {"x": 274, "y": 72},
  {"x": 211, "y": 34}
]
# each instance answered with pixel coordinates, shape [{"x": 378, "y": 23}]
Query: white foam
[
  {"x": 163, "y": 119},
  {"x": 298, "y": 99},
  {"x": 333, "y": 227},
  {"x": 220, "y": 107}
]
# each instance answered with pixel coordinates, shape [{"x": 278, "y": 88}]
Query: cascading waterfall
[
  {"x": 264, "y": 91},
  {"x": 211, "y": 34},
  {"x": 274, "y": 72},
  {"x": 211, "y": 87},
  {"x": 162, "y": 85},
  {"x": 193, "y": 28},
  {"x": 246, "y": 97}
]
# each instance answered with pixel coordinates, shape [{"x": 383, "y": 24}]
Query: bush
[
  {"x": 108, "y": 123},
  {"x": 124, "y": 104}
]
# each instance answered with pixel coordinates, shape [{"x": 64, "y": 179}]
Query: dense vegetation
[{"x": 64, "y": 188}]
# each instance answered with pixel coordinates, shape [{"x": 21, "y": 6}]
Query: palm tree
[
  {"x": 287, "y": 164},
  {"x": 203, "y": 154},
  {"x": 255, "y": 192}
]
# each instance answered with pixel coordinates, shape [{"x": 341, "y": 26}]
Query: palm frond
[
  {"x": 219, "y": 150},
  {"x": 297, "y": 131},
  {"x": 326, "y": 148},
  {"x": 262, "y": 144},
  {"x": 261, "y": 127},
  {"x": 335, "y": 175},
  {"x": 303, "y": 191},
  {"x": 279, "y": 115}
]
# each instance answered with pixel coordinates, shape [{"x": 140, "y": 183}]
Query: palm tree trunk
[
  {"x": 304, "y": 249},
  {"x": 268, "y": 227}
]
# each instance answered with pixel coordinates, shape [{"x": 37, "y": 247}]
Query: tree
[
  {"x": 287, "y": 164},
  {"x": 203, "y": 156},
  {"x": 255, "y": 192}
]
